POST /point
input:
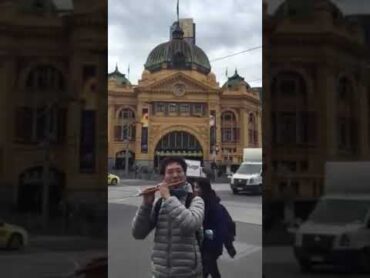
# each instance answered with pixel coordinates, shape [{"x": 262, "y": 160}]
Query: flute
[{"x": 153, "y": 189}]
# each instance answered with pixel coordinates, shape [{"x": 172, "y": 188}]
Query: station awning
[{"x": 180, "y": 153}]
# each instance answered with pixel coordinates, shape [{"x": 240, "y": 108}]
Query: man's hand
[
  {"x": 164, "y": 191},
  {"x": 148, "y": 199}
]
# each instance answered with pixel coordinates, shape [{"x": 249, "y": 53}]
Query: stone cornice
[{"x": 158, "y": 85}]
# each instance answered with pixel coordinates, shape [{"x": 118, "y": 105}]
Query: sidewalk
[{"x": 66, "y": 243}]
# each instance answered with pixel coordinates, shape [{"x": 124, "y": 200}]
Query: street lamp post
[
  {"x": 46, "y": 166},
  {"x": 49, "y": 136},
  {"x": 228, "y": 166},
  {"x": 126, "y": 142}
]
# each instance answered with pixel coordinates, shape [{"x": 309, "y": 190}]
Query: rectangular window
[
  {"x": 304, "y": 165},
  {"x": 227, "y": 135},
  {"x": 282, "y": 187},
  {"x": 287, "y": 124},
  {"x": 160, "y": 107},
  {"x": 289, "y": 166},
  {"x": 23, "y": 124},
  {"x": 61, "y": 125},
  {"x": 184, "y": 108},
  {"x": 87, "y": 141},
  {"x": 198, "y": 108},
  {"x": 295, "y": 186},
  {"x": 172, "y": 108}
]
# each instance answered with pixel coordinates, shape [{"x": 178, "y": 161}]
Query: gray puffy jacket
[{"x": 176, "y": 251}]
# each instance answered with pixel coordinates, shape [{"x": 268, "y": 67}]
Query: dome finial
[
  {"x": 116, "y": 66},
  {"x": 177, "y": 32}
]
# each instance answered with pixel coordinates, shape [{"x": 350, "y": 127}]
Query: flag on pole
[{"x": 177, "y": 10}]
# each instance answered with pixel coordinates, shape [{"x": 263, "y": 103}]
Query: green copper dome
[
  {"x": 119, "y": 77},
  {"x": 178, "y": 54},
  {"x": 235, "y": 81}
]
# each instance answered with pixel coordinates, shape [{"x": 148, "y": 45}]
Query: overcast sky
[
  {"x": 223, "y": 27},
  {"x": 346, "y": 6}
]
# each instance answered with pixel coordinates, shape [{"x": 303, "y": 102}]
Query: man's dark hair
[{"x": 172, "y": 159}]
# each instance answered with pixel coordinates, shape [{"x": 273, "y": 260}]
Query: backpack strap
[
  {"x": 157, "y": 207},
  {"x": 188, "y": 200}
]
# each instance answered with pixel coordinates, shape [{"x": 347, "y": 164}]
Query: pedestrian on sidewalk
[
  {"x": 176, "y": 251},
  {"x": 218, "y": 227}
]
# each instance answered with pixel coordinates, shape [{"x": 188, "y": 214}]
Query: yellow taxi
[
  {"x": 113, "y": 179},
  {"x": 12, "y": 236}
]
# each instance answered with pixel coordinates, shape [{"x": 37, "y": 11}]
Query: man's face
[{"x": 174, "y": 173}]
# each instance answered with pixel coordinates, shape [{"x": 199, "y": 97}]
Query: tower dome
[{"x": 178, "y": 54}]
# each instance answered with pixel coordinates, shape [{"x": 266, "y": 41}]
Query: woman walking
[{"x": 216, "y": 226}]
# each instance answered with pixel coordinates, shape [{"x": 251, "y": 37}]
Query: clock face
[{"x": 179, "y": 89}]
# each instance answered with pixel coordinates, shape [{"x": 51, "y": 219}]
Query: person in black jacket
[{"x": 215, "y": 227}]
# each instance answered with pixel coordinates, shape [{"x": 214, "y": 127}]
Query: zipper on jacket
[{"x": 169, "y": 242}]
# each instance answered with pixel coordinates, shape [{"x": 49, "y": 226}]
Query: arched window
[
  {"x": 347, "y": 126},
  {"x": 46, "y": 116},
  {"x": 293, "y": 123},
  {"x": 229, "y": 128},
  {"x": 125, "y": 125}
]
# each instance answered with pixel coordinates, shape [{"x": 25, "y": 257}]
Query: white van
[
  {"x": 248, "y": 177},
  {"x": 338, "y": 230}
]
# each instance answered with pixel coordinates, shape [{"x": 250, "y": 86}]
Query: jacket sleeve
[
  {"x": 228, "y": 237},
  {"x": 188, "y": 220},
  {"x": 143, "y": 222}
]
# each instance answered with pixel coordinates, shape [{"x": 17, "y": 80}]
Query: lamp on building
[{"x": 126, "y": 142}]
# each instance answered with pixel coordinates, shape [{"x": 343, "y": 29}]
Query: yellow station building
[
  {"x": 316, "y": 96},
  {"x": 179, "y": 108},
  {"x": 53, "y": 105}
]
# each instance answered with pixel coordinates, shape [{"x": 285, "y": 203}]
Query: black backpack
[{"x": 188, "y": 200}]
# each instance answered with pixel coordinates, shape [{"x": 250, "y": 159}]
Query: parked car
[
  {"x": 113, "y": 179},
  {"x": 12, "y": 237}
]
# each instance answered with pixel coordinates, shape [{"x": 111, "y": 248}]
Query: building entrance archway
[
  {"x": 30, "y": 190},
  {"x": 121, "y": 160},
  {"x": 178, "y": 143}
]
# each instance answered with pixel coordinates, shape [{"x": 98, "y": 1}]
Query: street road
[
  {"x": 50, "y": 257},
  {"x": 279, "y": 261},
  {"x": 131, "y": 258}
]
